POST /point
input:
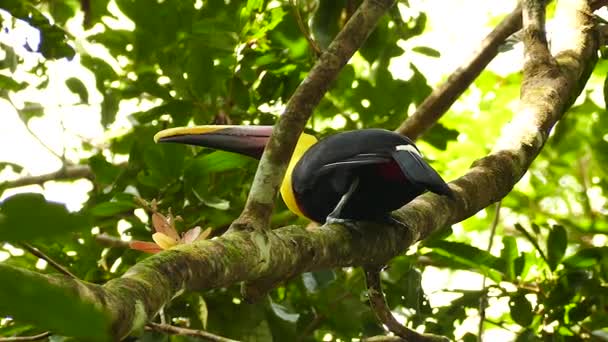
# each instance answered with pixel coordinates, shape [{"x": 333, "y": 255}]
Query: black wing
[{"x": 418, "y": 171}]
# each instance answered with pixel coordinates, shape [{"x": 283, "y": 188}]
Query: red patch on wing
[{"x": 391, "y": 171}]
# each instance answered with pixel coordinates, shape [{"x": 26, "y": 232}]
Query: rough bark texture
[
  {"x": 548, "y": 89},
  {"x": 286, "y": 131}
]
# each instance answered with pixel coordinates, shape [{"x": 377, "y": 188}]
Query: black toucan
[{"x": 356, "y": 175}]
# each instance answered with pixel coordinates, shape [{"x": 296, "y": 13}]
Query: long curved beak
[{"x": 246, "y": 140}]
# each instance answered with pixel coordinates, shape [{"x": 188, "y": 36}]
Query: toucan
[{"x": 356, "y": 175}]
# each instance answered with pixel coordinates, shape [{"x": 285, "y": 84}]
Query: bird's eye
[{"x": 410, "y": 148}]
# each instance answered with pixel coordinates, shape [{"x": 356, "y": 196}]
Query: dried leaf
[
  {"x": 191, "y": 235},
  {"x": 163, "y": 225},
  {"x": 144, "y": 246}
]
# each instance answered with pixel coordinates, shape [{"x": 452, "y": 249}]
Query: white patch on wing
[{"x": 410, "y": 148}]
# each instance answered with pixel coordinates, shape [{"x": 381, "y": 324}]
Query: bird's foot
[{"x": 348, "y": 223}]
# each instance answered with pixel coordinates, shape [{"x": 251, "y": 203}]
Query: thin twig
[
  {"x": 173, "y": 330},
  {"x": 32, "y": 133},
  {"x": 26, "y": 338},
  {"x": 65, "y": 173},
  {"x": 382, "y": 338},
  {"x": 383, "y": 312},
  {"x": 483, "y": 301},
  {"x": 304, "y": 28},
  {"x": 35, "y": 251},
  {"x": 111, "y": 241},
  {"x": 440, "y": 100}
]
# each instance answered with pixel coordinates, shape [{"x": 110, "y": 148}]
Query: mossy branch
[{"x": 134, "y": 298}]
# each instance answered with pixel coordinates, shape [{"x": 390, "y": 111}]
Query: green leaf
[
  {"x": 53, "y": 39},
  {"x": 587, "y": 257},
  {"x": 425, "y": 50},
  {"x": 15, "y": 167},
  {"x": 522, "y": 265},
  {"x": 439, "y": 136},
  {"x": 77, "y": 87},
  {"x": 8, "y": 83},
  {"x": 509, "y": 254},
  {"x": 31, "y": 297},
  {"x": 530, "y": 238},
  {"x": 109, "y": 107},
  {"x": 17, "y": 222},
  {"x": 112, "y": 208},
  {"x": 217, "y": 161},
  {"x": 31, "y": 110},
  {"x": 521, "y": 310},
  {"x": 556, "y": 246},
  {"x": 326, "y": 21},
  {"x": 105, "y": 172},
  {"x": 175, "y": 108},
  {"x": 470, "y": 256}
]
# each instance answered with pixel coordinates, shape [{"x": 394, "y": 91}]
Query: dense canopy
[{"x": 515, "y": 121}]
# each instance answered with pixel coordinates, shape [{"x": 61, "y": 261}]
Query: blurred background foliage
[{"x": 130, "y": 68}]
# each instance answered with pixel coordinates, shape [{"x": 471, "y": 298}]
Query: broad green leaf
[
  {"x": 31, "y": 110},
  {"x": 8, "y": 83},
  {"x": 557, "y": 243},
  {"x": 522, "y": 264},
  {"x": 586, "y": 257},
  {"x": 470, "y": 256},
  {"x": 112, "y": 208},
  {"x": 439, "y": 136},
  {"x": 217, "y": 161},
  {"x": 28, "y": 216},
  {"x": 521, "y": 310},
  {"x": 104, "y": 171},
  {"x": 77, "y": 87},
  {"x": 30, "y": 297}
]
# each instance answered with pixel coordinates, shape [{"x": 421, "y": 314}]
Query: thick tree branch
[
  {"x": 134, "y": 299},
  {"x": 277, "y": 154},
  {"x": 442, "y": 97}
]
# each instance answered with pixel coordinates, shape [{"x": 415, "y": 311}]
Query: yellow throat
[{"x": 304, "y": 143}]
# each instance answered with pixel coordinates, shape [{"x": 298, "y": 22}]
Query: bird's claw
[{"x": 350, "y": 224}]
